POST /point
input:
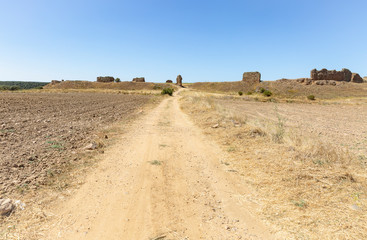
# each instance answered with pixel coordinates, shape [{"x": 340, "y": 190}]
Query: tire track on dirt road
[{"x": 162, "y": 180}]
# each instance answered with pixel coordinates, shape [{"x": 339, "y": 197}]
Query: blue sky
[{"x": 201, "y": 40}]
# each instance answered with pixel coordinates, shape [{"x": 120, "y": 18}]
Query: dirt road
[{"x": 163, "y": 180}]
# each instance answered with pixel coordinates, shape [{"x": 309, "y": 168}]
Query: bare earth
[
  {"x": 41, "y": 132},
  {"x": 163, "y": 180}
]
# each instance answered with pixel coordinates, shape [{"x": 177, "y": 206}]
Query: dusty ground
[
  {"x": 42, "y": 132},
  {"x": 162, "y": 180},
  {"x": 201, "y": 167}
]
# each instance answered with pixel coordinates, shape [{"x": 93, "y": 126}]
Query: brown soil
[
  {"x": 42, "y": 132},
  {"x": 287, "y": 89}
]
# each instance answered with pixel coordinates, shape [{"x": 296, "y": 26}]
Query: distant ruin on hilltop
[
  {"x": 105, "y": 79},
  {"x": 139, "y": 79},
  {"x": 251, "y": 77},
  {"x": 179, "y": 80},
  {"x": 329, "y": 77},
  {"x": 344, "y": 75}
]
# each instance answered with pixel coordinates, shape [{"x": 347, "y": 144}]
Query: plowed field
[{"x": 40, "y": 132}]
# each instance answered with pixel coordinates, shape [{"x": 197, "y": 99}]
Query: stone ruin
[
  {"x": 105, "y": 79},
  {"x": 55, "y": 81},
  {"x": 179, "y": 80},
  {"x": 324, "y": 74},
  {"x": 356, "y": 78},
  {"x": 251, "y": 77},
  {"x": 344, "y": 75},
  {"x": 169, "y": 81},
  {"x": 139, "y": 79},
  {"x": 328, "y": 77}
]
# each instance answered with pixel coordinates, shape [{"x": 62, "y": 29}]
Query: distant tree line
[{"x": 17, "y": 85}]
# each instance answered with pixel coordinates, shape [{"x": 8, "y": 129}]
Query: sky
[{"x": 217, "y": 40}]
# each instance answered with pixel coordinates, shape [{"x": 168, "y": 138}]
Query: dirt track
[{"x": 163, "y": 180}]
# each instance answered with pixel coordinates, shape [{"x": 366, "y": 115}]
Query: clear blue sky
[{"x": 206, "y": 40}]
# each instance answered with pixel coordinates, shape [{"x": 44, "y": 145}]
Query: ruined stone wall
[
  {"x": 356, "y": 78},
  {"x": 139, "y": 79},
  {"x": 105, "y": 79},
  {"x": 179, "y": 80},
  {"x": 251, "y": 77},
  {"x": 324, "y": 74}
]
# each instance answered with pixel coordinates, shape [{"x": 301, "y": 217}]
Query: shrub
[
  {"x": 117, "y": 80},
  {"x": 240, "y": 93},
  {"x": 14, "y": 88},
  {"x": 156, "y": 86},
  {"x": 262, "y": 90},
  {"x": 10, "y": 88},
  {"x": 267, "y": 93},
  {"x": 311, "y": 97},
  {"x": 5, "y": 85},
  {"x": 278, "y": 135},
  {"x": 168, "y": 91},
  {"x": 249, "y": 93}
]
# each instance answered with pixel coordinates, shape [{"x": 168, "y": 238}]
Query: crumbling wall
[
  {"x": 179, "y": 80},
  {"x": 105, "y": 79},
  {"x": 251, "y": 77},
  {"x": 356, "y": 78},
  {"x": 324, "y": 74},
  {"x": 55, "y": 81},
  {"x": 139, "y": 79}
]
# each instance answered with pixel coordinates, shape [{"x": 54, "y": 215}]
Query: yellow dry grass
[
  {"x": 288, "y": 89},
  {"x": 94, "y": 90},
  {"x": 127, "y": 86},
  {"x": 307, "y": 189}
]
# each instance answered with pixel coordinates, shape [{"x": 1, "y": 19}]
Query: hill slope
[{"x": 112, "y": 85}]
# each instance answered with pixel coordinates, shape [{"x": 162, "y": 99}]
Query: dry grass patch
[
  {"x": 286, "y": 89},
  {"x": 306, "y": 188}
]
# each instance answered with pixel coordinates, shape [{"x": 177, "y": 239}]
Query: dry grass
[
  {"x": 307, "y": 189},
  {"x": 127, "y": 86},
  {"x": 287, "y": 89},
  {"x": 94, "y": 90}
]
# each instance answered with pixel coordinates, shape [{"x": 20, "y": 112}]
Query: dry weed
[{"x": 307, "y": 189}]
